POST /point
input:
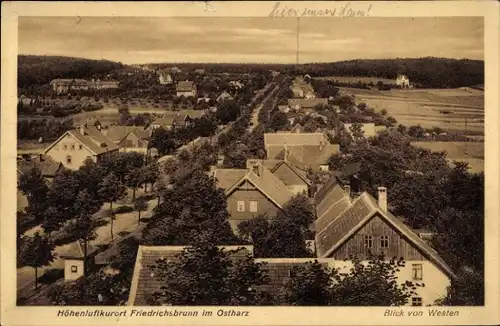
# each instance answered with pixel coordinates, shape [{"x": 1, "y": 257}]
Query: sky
[{"x": 138, "y": 40}]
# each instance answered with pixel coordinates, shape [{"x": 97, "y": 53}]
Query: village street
[{"x": 126, "y": 222}]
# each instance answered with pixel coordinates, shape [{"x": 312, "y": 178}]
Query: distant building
[
  {"x": 186, "y": 88},
  {"x": 165, "y": 79},
  {"x": 367, "y": 128},
  {"x": 223, "y": 97},
  {"x": 103, "y": 84},
  {"x": 63, "y": 86},
  {"x": 129, "y": 138},
  {"x": 75, "y": 146},
  {"x": 303, "y": 150},
  {"x": 199, "y": 71},
  {"x": 306, "y": 103},
  {"x": 170, "y": 120},
  {"x": 236, "y": 84},
  {"x": 403, "y": 81}
]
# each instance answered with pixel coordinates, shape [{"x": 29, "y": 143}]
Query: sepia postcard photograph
[{"x": 211, "y": 163}]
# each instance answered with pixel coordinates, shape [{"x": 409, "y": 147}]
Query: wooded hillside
[{"x": 39, "y": 70}]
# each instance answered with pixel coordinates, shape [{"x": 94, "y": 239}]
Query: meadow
[
  {"x": 364, "y": 80},
  {"x": 471, "y": 152},
  {"x": 458, "y": 110}
]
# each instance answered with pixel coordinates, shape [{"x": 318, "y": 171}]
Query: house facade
[
  {"x": 359, "y": 226},
  {"x": 186, "y": 88},
  {"x": 258, "y": 192},
  {"x": 62, "y": 86},
  {"x": 75, "y": 146},
  {"x": 403, "y": 81}
]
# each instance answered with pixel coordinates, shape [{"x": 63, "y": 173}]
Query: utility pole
[{"x": 297, "y": 49}]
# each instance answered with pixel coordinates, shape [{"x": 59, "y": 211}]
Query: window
[
  {"x": 384, "y": 241},
  {"x": 417, "y": 271},
  {"x": 74, "y": 269},
  {"x": 253, "y": 206},
  {"x": 368, "y": 241},
  {"x": 241, "y": 206},
  {"x": 73, "y": 146},
  {"x": 80, "y": 146},
  {"x": 65, "y": 146},
  {"x": 68, "y": 159},
  {"x": 416, "y": 301}
]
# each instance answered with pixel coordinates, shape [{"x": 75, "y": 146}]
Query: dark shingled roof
[
  {"x": 226, "y": 178},
  {"x": 75, "y": 250},
  {"x": 145, "y": 283},
  {"x": 185, "y": 86},
  {"x": 47, "y": 166},
  {"x": 117, "y": 133},
  {"x": 333, "y": 204},
  {"x": 332, "y": 236}
]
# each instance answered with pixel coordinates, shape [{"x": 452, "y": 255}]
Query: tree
[
  {"x": 194, "y": 206},
  {"x": 466, "y": 290},
  {"x": 207, "y": 275},
  {"x": 34, "y": 187},
  {"x": 309, "y": 284},
  {"x": 140, "y": 205},
  {"x": 357, "y": 131},
  {"x": 372, "y": 284},
  {"x": 135, "y": 178},
  {"x": 35, "y": 252},
  {"x": 279, "y": 121},
  {"x": 160, "y": 187},
  {"x": 95, "y": 289},
  {"x": 277, "y": 238},
  {"x": 298, "y": 211},
  {"x": 112, "y": 190}
]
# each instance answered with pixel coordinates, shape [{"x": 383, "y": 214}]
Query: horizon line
[{"x": 252, "y": 63}]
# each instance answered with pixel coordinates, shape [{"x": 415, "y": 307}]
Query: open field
[
  {"x": 448, "y": 109},
  {"x": 471, "y": 152},
  {"x": 365, "y": 80}
]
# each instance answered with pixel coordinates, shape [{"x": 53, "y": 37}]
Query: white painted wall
[{"x": 68, "y": 274}]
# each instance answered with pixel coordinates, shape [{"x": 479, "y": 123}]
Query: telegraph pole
[{"x": 297, "y": 49}]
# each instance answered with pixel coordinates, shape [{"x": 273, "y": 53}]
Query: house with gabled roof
[
  {"x": 186, "y": 88},
  {"x": 306, "y": 103},
  {"x": 364, "y": 226},
  {"x": 146, "y": 281},
  {"x": 258, "y": 192},
  {"x": 75, "y": 146},
  {"x": 304, "y": 150},
  {"x": 294, "y": 178},
  {"x": 224, "y": 96},
  {"x": 129, "y": 138},
  {"x": 74, "y": 259}
]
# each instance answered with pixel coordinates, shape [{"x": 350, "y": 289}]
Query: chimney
[
  {"x": 82, "y": 129},
  {"x": 255, "y": 169},
  {"x": 382, "y": 198},
  {"x": 321, "y": 144},
  {"x": 347, "y": 189}
]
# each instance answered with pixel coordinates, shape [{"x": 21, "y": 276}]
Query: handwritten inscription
[{"x": 345, "y": 10}]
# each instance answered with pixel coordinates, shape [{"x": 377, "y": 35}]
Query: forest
[
  {"x": 40, "y": 70},
  {"x": 429, "y": 72}
]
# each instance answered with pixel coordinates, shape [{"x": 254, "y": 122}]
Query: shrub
[
  {"x": 51, "y": 275},
  {"x": 124, "y": 209}
]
